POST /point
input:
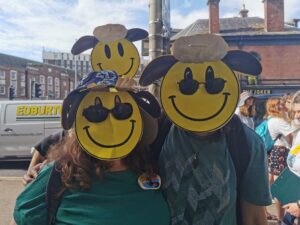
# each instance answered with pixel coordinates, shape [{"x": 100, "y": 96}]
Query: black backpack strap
[
  {"x": 239, "y": 151},
  {"x": 53, "y": 199},
  {"x": 164, "y": 127}
]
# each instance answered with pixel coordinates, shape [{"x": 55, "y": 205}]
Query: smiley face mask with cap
[
  {"x": 113, "y": 48},
  {"x": 109, "y": 123},
  {"x": 200, "y": 91}
]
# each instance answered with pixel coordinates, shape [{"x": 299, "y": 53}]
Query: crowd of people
[
  {"x": 283, "y": 120},
  {"x": 127, "y": 157}
]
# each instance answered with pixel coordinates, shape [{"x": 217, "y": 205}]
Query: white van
[{"x": 24, "y": 123}]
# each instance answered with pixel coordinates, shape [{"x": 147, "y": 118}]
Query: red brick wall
[
  {"x": 274, "y": 15},
  {"x": 278, "y": 62}
]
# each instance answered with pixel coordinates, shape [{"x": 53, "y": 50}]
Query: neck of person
[{"x": 117, "y": 165}]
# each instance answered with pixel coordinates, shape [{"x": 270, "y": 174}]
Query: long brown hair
[
  {"x": 248, "y": 110},
  {"x": 78, "y": 167},
  {"x": 273, "y": 108}
]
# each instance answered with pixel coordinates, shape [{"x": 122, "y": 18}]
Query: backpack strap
[
  {"x": 53, "y": 188},
  {"x": 239, "y": 151}
]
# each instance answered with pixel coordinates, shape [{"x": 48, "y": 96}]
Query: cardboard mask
[
  {"x": 112, "y": 48},
  {"x": 108, "y": 125},
  {"x": 200, "y": 92},
  {"x": 110, "y": 121}
]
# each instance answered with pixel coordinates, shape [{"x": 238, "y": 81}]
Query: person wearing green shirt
[{"x": 107, "y": 173}]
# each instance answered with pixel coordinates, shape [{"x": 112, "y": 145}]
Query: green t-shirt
[
  {"x": 199, "y": 179},
  {"x": 115, "y": 200}
]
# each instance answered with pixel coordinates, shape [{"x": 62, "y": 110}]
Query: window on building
[
  {"x": 57, "y": 87},
  {"x": 42, "y": 82},
  {"x": 2, "y": 82},
  {"x": 22, "y": 91},
  {"x": 14, "y": 80},
  {"x": 2, "y": 89},
  {"x": 50, "y": 86}
]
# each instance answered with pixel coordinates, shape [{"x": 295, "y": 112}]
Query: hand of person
[
  {"x": 32, "y": 173},
  {"x": 293, "y": 209},
  {"x": 126, "y": 83}
]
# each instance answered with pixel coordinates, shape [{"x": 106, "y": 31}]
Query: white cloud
[
  {"x": 179, "y": 20},
  {"x": 34, "y": 24}
]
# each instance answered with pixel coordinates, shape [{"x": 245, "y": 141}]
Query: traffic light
[
  {"x": 38, "y": 90},
  {"x": 11, "y": 93}
]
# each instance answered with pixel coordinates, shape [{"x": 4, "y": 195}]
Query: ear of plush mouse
[
  {"x": 69, "y": 108},
  {"x": 136, "y": 34},
  {"x": 156, "y": 69},
  {"x": 84, "y": 43},
  {"x": 147, "y": 102},
  {"x": 243, "y": 62}
]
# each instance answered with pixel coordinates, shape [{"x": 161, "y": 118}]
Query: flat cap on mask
[
  {"x": 110, "y": 32},
  {"x": 199, "y": 48}
]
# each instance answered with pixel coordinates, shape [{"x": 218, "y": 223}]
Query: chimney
[
  {"x": 274, "y": 15},
  {"x": 214, "y": 23},
  {"x": 244, "y": 12}
]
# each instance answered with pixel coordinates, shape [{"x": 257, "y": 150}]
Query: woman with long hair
[
  {"x": 107, "y": 173},
  {"x": 281, "y": 131},
  {"x": 246, "y": 109}
]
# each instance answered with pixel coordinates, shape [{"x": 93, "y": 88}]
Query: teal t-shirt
[
  {"x": 199, "y": 179},
  {"x": 115, "y": 200}
]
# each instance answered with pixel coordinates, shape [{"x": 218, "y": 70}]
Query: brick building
[
  {"x": 274, "y": 42},
  {"x": 56, "y": 82}
]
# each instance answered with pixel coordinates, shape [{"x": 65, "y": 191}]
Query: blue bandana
[{"x": 106, "y": 78}]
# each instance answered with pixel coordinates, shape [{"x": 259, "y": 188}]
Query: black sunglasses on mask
[
  {"x": 188, "y": 86},
  {"x": 98, "y": 113}
]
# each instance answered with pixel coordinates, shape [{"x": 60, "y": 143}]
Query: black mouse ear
[
  {"x": 84, "y": 43},
  {"x": 147, "y": 102},
  {"x": 69, "y": 109},
  {"x": 243, "y": 62},
  {"x": 136, "y": 34},
  {"x": 156, "y": 69}
]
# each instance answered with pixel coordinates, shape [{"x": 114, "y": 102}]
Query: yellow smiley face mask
[
  {"x": 200, "y": 92},
  {"x": 109, "y": 123},
  {"x": 113, "y": 49}
]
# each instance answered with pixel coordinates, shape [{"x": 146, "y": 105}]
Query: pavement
[{"x": 10, "y": 187}]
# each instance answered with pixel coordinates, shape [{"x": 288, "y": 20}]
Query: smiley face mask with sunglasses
[
  {"x": 109, "y": 123},
  {"x": 199, "y": 91}
]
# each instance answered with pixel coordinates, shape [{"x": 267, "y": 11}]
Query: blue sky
[{"x": 28, "y": 26}]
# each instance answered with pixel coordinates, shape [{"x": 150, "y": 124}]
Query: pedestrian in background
[
  {"x": 246, "y": 109},
  {"x": 281, "y": 131}
]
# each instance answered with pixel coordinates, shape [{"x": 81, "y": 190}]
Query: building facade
[
  {"x": 275, "y": 43},
  {"x": 21, "y": 74},
  {"x": 68, "y": 61}
]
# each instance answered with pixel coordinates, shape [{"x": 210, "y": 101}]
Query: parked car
[{"x": 25, "y": 123}]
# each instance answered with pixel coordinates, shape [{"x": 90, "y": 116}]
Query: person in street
[
  {"x": 199, "y": 94},
  {"x": 293, "y": 161},
  {"x": 101, "y": 177},
  {"x": 246, "y": 109},
  {"x": 281, "y": 131}
]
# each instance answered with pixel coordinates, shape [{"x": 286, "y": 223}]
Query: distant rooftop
[
  {"x": 14, "y": 61},
  {"x": 234, "y": 26},
  {"x": 21, "y": 63}
]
